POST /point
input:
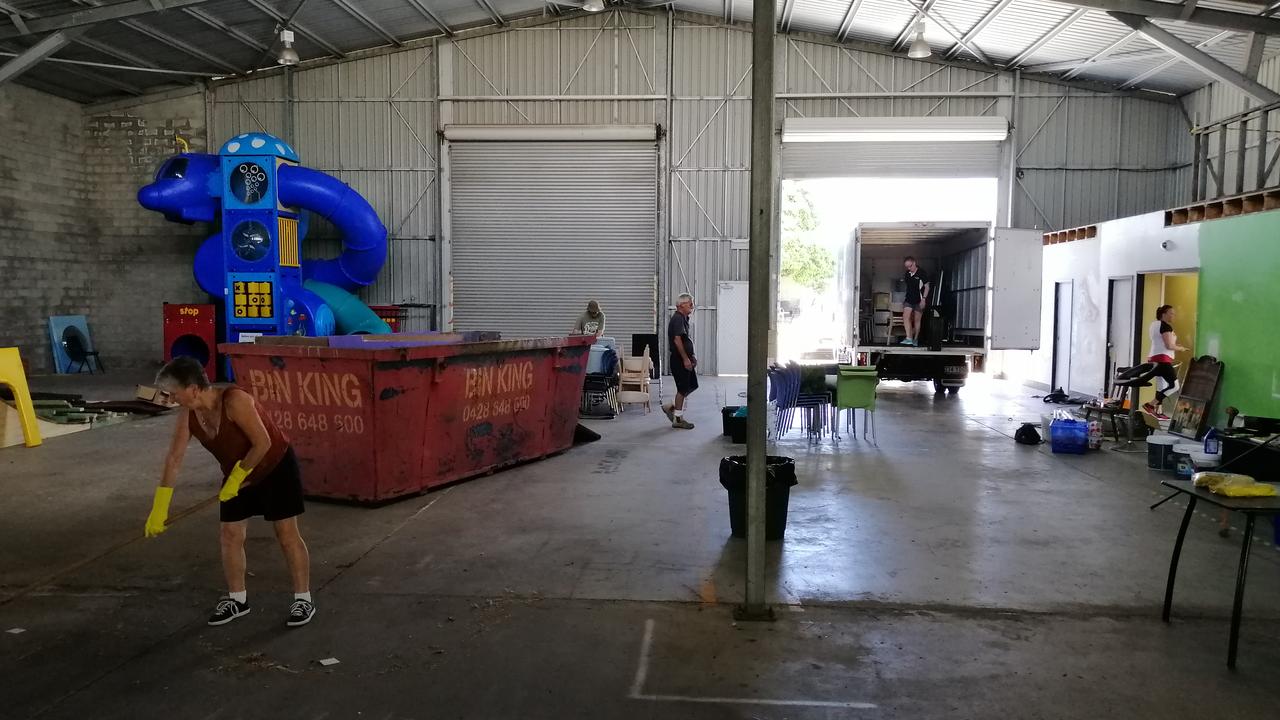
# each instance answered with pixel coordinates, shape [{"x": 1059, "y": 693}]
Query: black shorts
[
  {"x": 686, "y": 380},
  {"x": 278, "y": 496}
]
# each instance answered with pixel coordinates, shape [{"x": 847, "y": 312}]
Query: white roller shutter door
[
  {"x": 923, "y": 147},
  {"x": 891, "y": 159},
  {"x": 539, "y": 228}
]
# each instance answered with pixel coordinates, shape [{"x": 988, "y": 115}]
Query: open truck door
[
  {"x": 1017, "y": 258},
  {"x": 849, "y": 281}
]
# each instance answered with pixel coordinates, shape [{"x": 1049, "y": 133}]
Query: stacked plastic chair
[
  {"x": 785, "y": 390},
  {"x": 814, "y": 404}
]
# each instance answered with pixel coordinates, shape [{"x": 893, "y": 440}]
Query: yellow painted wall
[
  {"x": 1182, "y": 291},
  {"x": 1152, "y": 298}
]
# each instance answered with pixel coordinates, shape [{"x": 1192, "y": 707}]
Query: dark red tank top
[{"x": 231, "y": 444}]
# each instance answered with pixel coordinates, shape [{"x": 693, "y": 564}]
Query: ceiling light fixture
[
  {"x": 287, "y": 56},
  {"x": 919, "y": 47},
  {"x": 593, "y": 5}
]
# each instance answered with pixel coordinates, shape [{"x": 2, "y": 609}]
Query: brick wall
[
  {"x": 73, "y": 239},
  {"x": 48, "y": 258},
  {"x": 143, "y": 260}
]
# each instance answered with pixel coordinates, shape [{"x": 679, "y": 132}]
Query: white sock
[
  {"x": 679, "y": 414},
  {"x": 240, "y": 597},
  {"x": 303, "y": 596}
]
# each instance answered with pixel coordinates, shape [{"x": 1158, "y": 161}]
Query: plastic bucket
[
  {"x": 1182, "y": 458},
  {"x": 1205, "y": 461},
  {"x": 1160, "y": 452}
]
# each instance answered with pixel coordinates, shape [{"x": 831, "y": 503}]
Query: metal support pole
[
  {"x": 1196, "y": 168},
  {"x": 1014, "y": 138},
  {"x": 762, "y": 202},
  {"x": 1240, "y": 151},
  {"x": 1205, "y": 170},
  {"x": 1262, "y": 150},
  {"x": 1222, "y": 162}
]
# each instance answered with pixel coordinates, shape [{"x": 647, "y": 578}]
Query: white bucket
[
  {"x": 1205, "y": 461},
  {"x": 1160, "y": 452},
  {"x": 1045, "y": 422}
]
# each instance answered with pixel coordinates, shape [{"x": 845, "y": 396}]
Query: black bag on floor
[{"x": 1027, "y": 435}]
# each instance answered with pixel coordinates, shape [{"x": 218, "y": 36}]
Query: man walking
[
  {"x": 916, "y": 301},
  {"x": 683, "y": 363}
]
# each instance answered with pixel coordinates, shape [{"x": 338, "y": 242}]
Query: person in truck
[{"x": 916, "y": 300}]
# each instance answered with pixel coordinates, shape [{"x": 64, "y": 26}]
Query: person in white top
[{"x": 1164, "y": 343}]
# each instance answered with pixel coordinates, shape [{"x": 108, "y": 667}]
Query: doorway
[
  {"x": 830, "y": 299},
  {"x": 1064, "y": 295},
  {"x": 1121, "y": 348},
  {"x": 1180, "y": 289}
]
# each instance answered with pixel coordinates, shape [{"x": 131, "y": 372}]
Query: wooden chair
[{"x": 633, "y": 383}]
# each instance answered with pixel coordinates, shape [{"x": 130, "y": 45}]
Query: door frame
[{"x": 1057, "y": 306}]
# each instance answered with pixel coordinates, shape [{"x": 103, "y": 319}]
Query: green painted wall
[{"x": 1239, "y": 264}]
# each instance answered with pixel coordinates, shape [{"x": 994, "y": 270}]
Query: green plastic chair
[{"x": 856, "y": 390}]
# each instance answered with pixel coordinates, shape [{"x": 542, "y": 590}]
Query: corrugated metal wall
[
  {"x": 1217, "y": 101},
  {"x": 372, "y": 121},
  {"x": 1085, "y": 157}
]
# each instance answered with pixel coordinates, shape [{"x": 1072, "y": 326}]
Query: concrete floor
[{"x": 947, "y": 572}]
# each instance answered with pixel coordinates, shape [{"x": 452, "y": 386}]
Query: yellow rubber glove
[
  {"x": 159, "y": 512},
  {"x": 231, "y": 487}
]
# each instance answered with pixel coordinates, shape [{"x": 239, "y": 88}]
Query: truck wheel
[
  {"x": 953, "y": 391},
  {"x": 938, "y": 389}
]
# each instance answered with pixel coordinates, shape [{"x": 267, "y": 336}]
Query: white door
[
  {"x": 1017, "y": 259},
  {"x": 1120, "y": 327},
  {"x": 538, "y": 228},
  {"x": 1063, "y": 313},
  {"x": 731, "y": 329}
]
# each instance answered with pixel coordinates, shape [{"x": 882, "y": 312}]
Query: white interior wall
[{"x": 1123, "y": 248}]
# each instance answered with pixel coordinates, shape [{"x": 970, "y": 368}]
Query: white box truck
[{"x": 984, "y": 296}]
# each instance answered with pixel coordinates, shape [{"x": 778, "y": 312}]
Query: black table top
[{"x": 1256, "y": 506}]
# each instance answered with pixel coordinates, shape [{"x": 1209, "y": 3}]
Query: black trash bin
[
  {"x": 726, "y": 418},
  {"x": 781, "y": 475}
]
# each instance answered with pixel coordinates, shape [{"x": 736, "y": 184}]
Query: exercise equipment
[{"x": 1132, "y": 378}]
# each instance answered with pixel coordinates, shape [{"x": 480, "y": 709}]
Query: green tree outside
[{"x": 805, "y": 262}]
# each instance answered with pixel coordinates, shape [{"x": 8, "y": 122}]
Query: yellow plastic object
[
  {"x": 231, "y": 487},
  {"x": 12, "y": 374},
  {"x": 1232, "y": 485},
  {"x": 159, "y": 512}
]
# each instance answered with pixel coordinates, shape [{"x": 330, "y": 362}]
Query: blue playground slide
[{"x": 259, "y": 195}]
